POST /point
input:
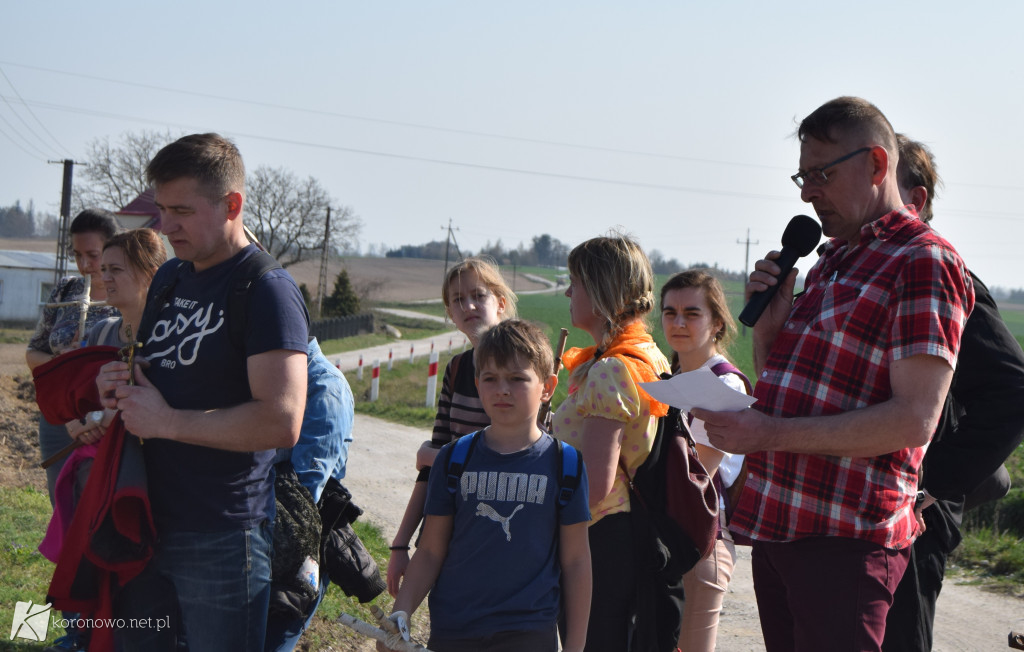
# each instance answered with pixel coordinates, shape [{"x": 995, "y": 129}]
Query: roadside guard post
[
  {"x": 432, "y": 380},
  {"x": 411, "y": 347},
  {"x": 375, "y": 382},
  {"x": 359, "y": 369},
  {"x": 390, "y": 355}
]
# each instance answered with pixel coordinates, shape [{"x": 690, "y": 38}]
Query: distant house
[
  {"x": 26, "y": 280},
  {"x": 26, "y": 277},
  {"x": 140, "y": 212}
]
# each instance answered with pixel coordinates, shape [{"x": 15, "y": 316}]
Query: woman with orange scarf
[{"x": 608, "y": 417}]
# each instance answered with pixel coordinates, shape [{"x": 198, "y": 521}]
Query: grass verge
[
  {"x": 411, "y": 329},
  {"x": 992, "y": 559},
  {"x": 403, "y": 392},
  {"x": 25, "y": 575},
  {"x": 15, "y": 335}
]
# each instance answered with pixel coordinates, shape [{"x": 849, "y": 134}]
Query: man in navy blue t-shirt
[{"x": 212, "y": 406}]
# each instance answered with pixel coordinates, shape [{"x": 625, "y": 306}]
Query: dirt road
[{"x": 380, "y": 477}]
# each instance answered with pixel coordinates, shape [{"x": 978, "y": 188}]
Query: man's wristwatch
[
  {"x": 96, "y": 417},
  {"x": 921, "y": 495}
]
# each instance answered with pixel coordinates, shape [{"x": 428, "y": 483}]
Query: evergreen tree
[
  {"x": 306, "y": 297},
  {"x": 343, "y": 300}
]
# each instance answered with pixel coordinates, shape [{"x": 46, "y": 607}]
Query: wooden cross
[{"x": 128, "y": 353}]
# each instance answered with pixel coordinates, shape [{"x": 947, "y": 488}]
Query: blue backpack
[{"x": 569, "y": 458}]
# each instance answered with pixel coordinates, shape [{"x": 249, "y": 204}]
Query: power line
[
  {"x": 34, "y": 116},
  {"x": 398, "y": 123},
  {"x": 18, "y": 145},
  {"x": 39, "y": 153},
  {"x": 437, "y": 161}
]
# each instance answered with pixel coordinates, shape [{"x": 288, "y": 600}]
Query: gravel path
[{"x": 380, "y": 476}]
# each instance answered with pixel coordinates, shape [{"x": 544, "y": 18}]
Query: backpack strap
[
  {"x": 727, "y": 367},
  {"x": 105, "y": 331},
  {"x": 243, "y": 277},
  {"x": 571, "y": 464},
  {"x": 157, "y": 296},
  {"x": 461, "y": 450}
]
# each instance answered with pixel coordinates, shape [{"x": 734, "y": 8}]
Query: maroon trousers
[{"x": 825, "y": 593}]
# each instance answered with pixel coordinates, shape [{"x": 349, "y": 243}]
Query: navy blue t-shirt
[
  {"x": 195, "y": 366},
  {"x": 501, "y": 572}
]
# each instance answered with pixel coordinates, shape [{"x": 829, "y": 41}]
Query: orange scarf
[{"x": 628, "y": 348}]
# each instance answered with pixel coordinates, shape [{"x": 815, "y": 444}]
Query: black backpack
[{"x": 664, "y": 550}]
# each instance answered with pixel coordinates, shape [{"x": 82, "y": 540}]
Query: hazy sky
[{"x": 673, "y": 120}]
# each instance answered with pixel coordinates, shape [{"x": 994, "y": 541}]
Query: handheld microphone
[{"x": 799, "y": 239}]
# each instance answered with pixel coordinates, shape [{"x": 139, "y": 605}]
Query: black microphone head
[{"x": 802, "y": 235}]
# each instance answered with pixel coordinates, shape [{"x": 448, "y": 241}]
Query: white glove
[{"x": 397, "y": 627}]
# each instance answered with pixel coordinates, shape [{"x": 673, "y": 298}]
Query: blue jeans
[
  {"x": 222, "y": 584},
  {"x": 52, "y": 438}
]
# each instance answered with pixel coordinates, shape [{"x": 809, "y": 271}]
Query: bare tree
[
  {"x": 287, "y": 215},
  {"x": 116, "y": 172}
]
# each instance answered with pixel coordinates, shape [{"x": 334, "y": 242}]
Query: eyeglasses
[{"x": 817, "y": 175}]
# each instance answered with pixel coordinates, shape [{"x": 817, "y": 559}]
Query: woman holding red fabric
[
  {"x": 608, "y": 417},
  {"x": 127, "y": 264},
  {"x": 59, "y": 327}
]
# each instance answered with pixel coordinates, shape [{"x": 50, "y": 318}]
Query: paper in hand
[{"x": 700, "y": 388}]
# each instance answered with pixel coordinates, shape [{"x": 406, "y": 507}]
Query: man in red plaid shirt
[{"x": 851, "y": 375}]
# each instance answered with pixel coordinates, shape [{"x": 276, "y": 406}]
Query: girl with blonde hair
[
  {"x": 608, "y": 417},
  {"x": 476, "y": 298}
]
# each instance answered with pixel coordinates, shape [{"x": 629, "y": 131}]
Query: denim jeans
[
  {"x": 52, "y": 438},
  {"x": 222, "y": 584}
]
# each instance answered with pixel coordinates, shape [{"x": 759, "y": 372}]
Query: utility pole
[
  {"x": 63, "y": 244},
  {"x": 746, "y": 265},
  {"x": 447, "y": 245},
  {"x": 321, "y": 288}
]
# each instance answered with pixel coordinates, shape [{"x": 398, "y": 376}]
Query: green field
[{"x": 1014, "y": 318}]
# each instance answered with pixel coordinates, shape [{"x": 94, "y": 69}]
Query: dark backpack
[
  {"x": 569, "y": 461},
  {"x": 664, "y": 549}
]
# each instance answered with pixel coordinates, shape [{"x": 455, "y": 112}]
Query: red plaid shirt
[{"x": 903, "y": 291}]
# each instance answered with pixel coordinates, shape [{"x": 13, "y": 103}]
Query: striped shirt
[
  {"x": 902, "y": 291},
  {"x": 459, "y": 410}
]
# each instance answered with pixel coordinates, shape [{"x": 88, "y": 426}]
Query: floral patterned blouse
[
  {"x": 57, "y": 329},
  {"x": 609, "y": 392}
]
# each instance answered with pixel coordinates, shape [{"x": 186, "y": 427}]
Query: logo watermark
[
  {"x": 81, "y": 623},
  {"x": 30, "y": 621}
]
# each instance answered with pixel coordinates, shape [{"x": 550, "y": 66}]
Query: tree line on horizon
[
  {"x": 18, "y": 222},
  {"x": 543, "y": 251}
]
